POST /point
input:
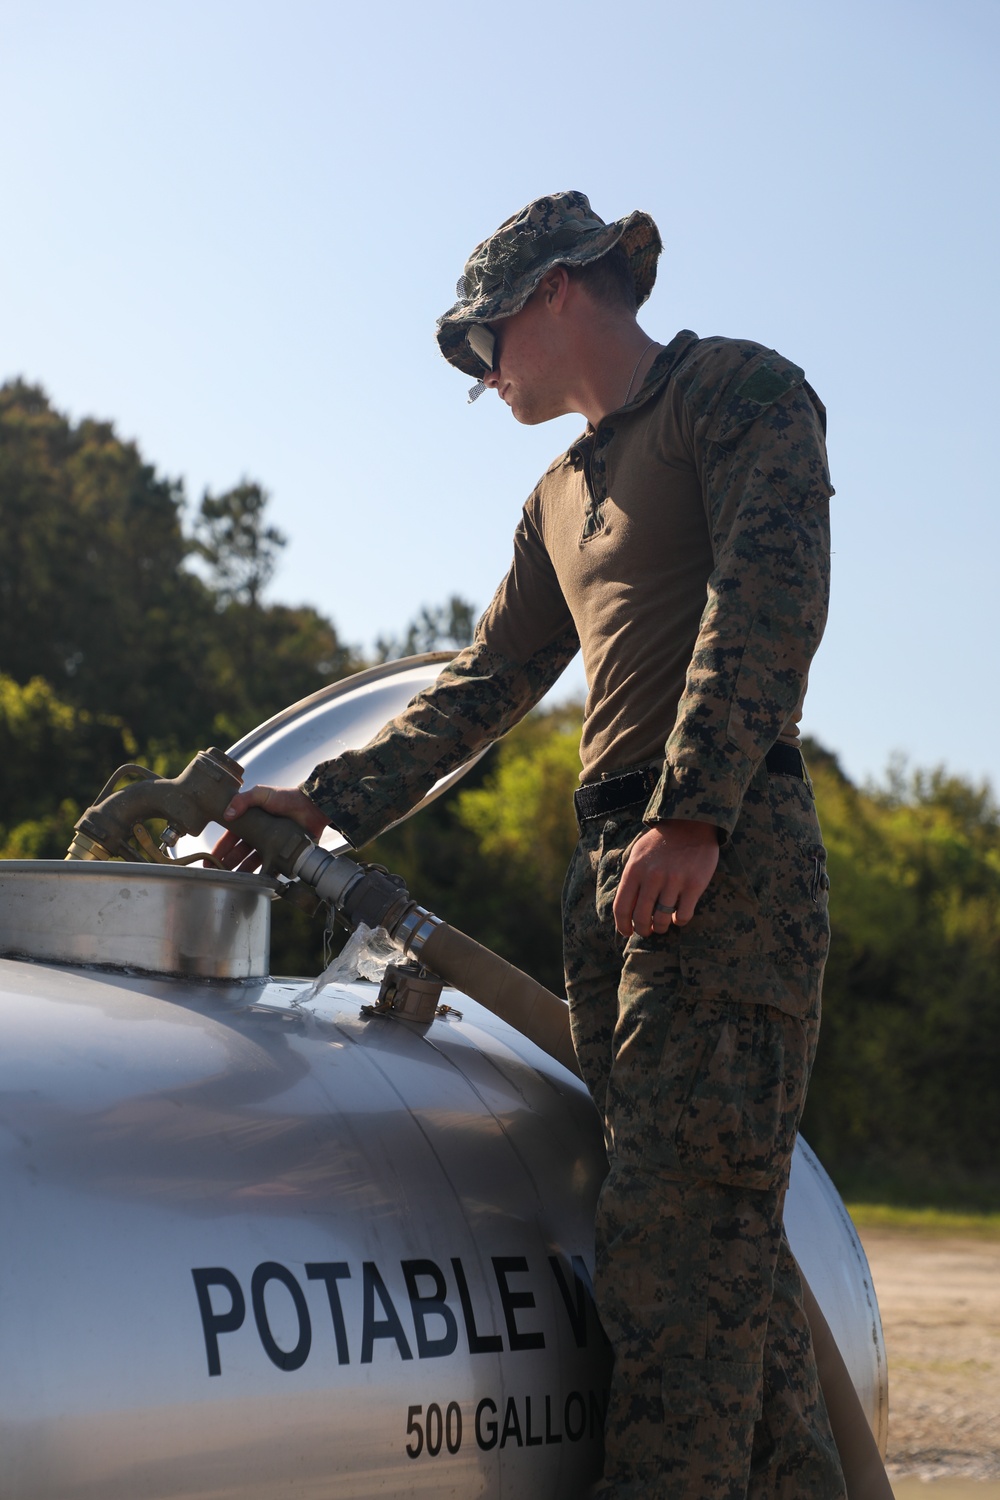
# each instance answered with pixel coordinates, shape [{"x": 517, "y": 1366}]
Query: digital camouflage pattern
[
  {"x": 476, "y": 699},
  {"x": 623, "y": 533},
  {"x": 502, "y": 272},
  {"x": 764, "y": 472},
  {"x": 757, "y": 430},
  {"x": 697, "y": 1047}
]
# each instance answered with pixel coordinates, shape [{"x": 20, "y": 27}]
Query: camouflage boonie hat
[{"x": 502, "y": 272}]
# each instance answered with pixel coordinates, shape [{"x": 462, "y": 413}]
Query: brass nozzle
[
  {"x": 199, "y": 795},
  {"x": 83, "y": 847}
]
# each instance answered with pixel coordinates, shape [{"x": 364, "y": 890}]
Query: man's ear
[{"x": 553, "y": 286}]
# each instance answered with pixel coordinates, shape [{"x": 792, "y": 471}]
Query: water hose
[{"x": 505, "y": 990}]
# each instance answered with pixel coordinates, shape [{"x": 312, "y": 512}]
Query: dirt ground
[{"x": 939, "y": 1296}]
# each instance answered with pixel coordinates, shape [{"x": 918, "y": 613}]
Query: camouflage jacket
[{"x": 753, "y": 433}]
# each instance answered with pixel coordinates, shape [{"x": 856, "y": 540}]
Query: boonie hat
[{"x": 502, "y": 272}]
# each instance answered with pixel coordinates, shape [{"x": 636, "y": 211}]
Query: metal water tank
[{"x": 256, "y": 1242}]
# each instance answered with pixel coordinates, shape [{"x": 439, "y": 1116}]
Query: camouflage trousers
[{"x": 697, "y": 1047}]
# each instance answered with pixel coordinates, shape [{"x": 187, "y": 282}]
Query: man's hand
[
  {"x": 665, "y": 876},
  {"x": 285, "y": 802}
]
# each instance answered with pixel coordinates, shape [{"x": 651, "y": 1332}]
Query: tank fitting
[{"x": 381, "y": 900}]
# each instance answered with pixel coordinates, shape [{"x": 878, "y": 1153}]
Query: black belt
[{"x": 600, "y": 798}]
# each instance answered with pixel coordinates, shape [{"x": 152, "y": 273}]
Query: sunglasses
[{"x": 482, "y": 343}]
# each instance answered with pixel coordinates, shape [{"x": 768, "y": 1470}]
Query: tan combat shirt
[{"x": 683, "y": 545}]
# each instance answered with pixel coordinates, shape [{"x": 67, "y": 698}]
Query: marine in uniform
[{"x": 682, "y": 544}]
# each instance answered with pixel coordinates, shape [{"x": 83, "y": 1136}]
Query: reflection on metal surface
[
  {"x": 253, "y": 1249},
  {"x": 343, "y": 716},
  {"x": 827, "y": 1247},
  {"x": 255, "y": 1246},
  {"x": 157, "y": 918}
]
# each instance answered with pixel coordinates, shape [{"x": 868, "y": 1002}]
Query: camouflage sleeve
[
  {"x": 761, "y": 453},
  {"x": 523, "y": 642}
]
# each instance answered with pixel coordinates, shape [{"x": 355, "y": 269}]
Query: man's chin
[{"x": 530, "y": 416}]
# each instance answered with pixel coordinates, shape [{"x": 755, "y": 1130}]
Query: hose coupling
[
  {"x": 415, "y": 928},
  {"x": 330, "y": 875}
]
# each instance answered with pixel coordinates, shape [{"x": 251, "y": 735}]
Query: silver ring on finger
[{"x": 667, "y": 911}]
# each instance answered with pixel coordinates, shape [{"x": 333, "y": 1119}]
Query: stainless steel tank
[
  {"x": 255, "y": 1243},
  {"x": 157, "y": 918},
  {"x": 252, "y": 1247}
]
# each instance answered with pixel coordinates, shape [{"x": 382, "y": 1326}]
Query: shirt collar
[
  {"x": 662, "y": 368},
  {"x": 656, "y": 377}
]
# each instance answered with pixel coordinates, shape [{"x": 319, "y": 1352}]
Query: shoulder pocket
[{"x": 759, "y": 384}]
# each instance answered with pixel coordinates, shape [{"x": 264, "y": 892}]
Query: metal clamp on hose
[{"x": 415, "y": 928}]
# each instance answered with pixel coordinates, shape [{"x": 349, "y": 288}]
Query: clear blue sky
[{"x": 229, "y": 227}]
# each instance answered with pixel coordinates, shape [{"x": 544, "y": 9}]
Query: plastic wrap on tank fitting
[{"x": 366, "y": 955}]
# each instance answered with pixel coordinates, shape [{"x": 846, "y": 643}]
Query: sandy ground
[{"x": 939, "y": 1297}]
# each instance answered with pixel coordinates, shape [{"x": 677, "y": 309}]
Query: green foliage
[
  {"x": 261, "y": 660},
  {"x": 903, "y": 1105},
  {"x": 47, "y": 837},
  {"x": 522, "y": 817},
  {"x": 296, "y": 941},
  {"x": 489, "y": 857},
  {"x": 904, "y": 1096},
  {"x": 53, "y": 755},
  {"x": 113, "y": 650},
  {"x": 98, "y": 599},
  {"x": 925, "y": 1221},
  {"x": 447, "y": 627},
  {"x": 240, "y": 550},
  {"x": 94, "y": 597}
]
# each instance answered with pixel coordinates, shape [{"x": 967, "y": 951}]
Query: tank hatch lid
[{"x": 342, "y": 716}]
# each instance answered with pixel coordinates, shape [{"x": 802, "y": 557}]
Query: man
[{"x": 682, "y": 544}]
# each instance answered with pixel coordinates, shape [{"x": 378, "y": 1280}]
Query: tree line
[{"x": 133, "y": 626}]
